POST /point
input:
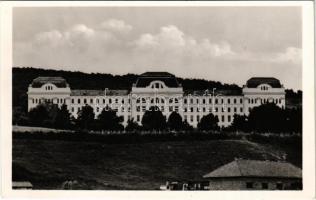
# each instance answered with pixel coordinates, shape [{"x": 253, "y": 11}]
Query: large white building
[{"x": 162, "y": 90}]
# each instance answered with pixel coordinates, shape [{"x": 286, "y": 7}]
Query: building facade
[{"x": 161, "y": 90}]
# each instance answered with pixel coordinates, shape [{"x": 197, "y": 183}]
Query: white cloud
[
  {"x": 115, "y": 25},
  {"x": 170, "y": 39},
  {"x": 291, "y": 54}
]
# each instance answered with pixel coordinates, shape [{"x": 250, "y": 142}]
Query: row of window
[
  {"x": 190, "y": 101},
  {"x": 221, "y": 119},
  {"x": 48, "y": 87},
  {"x": 250, "y": 185},
  {"x": 99, "y": 101},
  {"x": 59, "y": 101},
  {"x": 262, "y": 101}
]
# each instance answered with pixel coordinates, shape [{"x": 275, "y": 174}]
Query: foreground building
[
  {"x": 162, "y": 90},
  {"x": 255, "y": 175}
]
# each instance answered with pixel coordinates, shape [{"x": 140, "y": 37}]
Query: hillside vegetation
[{"x": 138, "y": 166}]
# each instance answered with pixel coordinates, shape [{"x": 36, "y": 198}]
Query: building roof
[
  {"x": 87, "y": 93},
  {"x": 255, "y": 168},
  {"x": 146, "y": 78},
  {"x": 117, "y": 92},
  {"x": 209, "y": 92},
  {"x": 59, "y": 82},
  {"x": 255, "y": 81},
  {"x": 21, "y": 184}
]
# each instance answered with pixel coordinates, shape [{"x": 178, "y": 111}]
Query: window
[
  {"x": 123, "y": 110},
  {"x": 72, "y": 109},
  {"x": 84, "y": 101},
  {"x": 198, "y": 118},
  {"x": 191, "y": 109},
  {"x": 138, "y": 108},
  {"x": 123, "y": 101},
  {"x": 228, "y": 109},
  {"x": 216, "y": 101},
  {"x": 91, "y": 101},
  {"x": 197, "y": 109},
  {"x": 98, "y": 109},
  {"x": 203, "y": 101},
  {"x": 103, "y": 101},
  {"x": 138, "y": 101},
  {"x": 116, "y": 100},
  {"x": 229, "y": 118},
  {"x": 235, "y": 101},
  {"x": 185, "y": 109},
  {"x": 72, "y": 101},
  {"x": 249, "y": 185},
  {"x": 170, "y": 108},
  {"x": 197, "y": 101},
  {"x": 235, "y": 109},
  {"x": 79, "y": 101},
  {"x": 185, "y": 101},
  {"x": 228, "y": 101},
  {"x": 32, "y": 100},
  {"x": 216, "y": 109},
  {"x": 222, "y": 101},
  {"x": 176, "y": 100},
  {"x": 143, "y": 100},
  {"x": 57, "y": 100},
  {"x": 170, "y": 100},
  {"x": 110, "y": 101},
  {"x": 185, "y": 118},
  {"x": 210, "y": 101},
  {"x": 191, "y": 101},
  {"x": 138, "y": 118},
  {"x": 223, "y": 118},
  {"x": 191, "y": 118},
  {"x": 176, "y": 108},
  {"x": 157, "y": 100},
  {"x": 240, "y": 100},
  {"x": 162, "y": 100},
  {"x": 143, "y": 108},
  {"x": 157, "y": 85},
  {"x": 204, "y": 110},
  {"x": 264, "y": 185}
]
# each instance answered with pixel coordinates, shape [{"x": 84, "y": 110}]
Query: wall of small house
[{"x": 241, "y": 183}]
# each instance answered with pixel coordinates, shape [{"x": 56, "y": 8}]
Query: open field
[{"x": 99, "y": 165}]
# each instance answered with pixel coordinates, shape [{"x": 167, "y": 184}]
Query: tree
[
  {"x": 187, "y": 126},
  {"x": 62, "y": 119},
  {"x": 132, "y": 125},
  {"x": 85, "y": 118},
  {"x": 19, "y": 116},
  {"x": 208, "y": 122},
  {"x": 153, "y": 119},
  {"x": 240, "y": 123},
  {"x": 267, "y": 118},
  {"x": 39, "y": 115},
  {"x": 175, "y": 121},
  {"x": 108, "y": 120}
]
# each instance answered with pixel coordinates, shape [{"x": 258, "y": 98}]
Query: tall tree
[
  {"x": 175, "y": 121},
  {"x": 108, "y": 120},
  {"x": 153, "y": 119},
  {"x": 208, "y": 122},
  {"x": 38, "y": 116},
  {"x": 240, "y": 123},
  {"x": 267, "y": 118},
  {"x": 62, "y": 119},
  {"x": 85, "y": 118}
]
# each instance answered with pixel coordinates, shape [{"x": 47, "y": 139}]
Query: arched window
[
  {"x": 176, "y": 100},
  {"x": 143, "y": 100},
  {"x": 170, "y": 100},
  {"x": 162, "y": 100},
  {"x": 157, "y": 100}
]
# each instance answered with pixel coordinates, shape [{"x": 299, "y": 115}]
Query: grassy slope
[{"x": 126, "y": 166}]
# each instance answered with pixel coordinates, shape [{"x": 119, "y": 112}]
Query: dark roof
[
  {"x": 255, "y": 168},
  {"x": 217, "y": 92},
  {"x": 117, "y": 92},
  {"x": 146, "y": 78},
  {"x": 255, "y": 81},
  {"x": 87, "y": 93},
  {"x": 41, "y": 80}
]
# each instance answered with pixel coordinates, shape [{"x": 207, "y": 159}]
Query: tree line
[{"x": 265, "y": 118}]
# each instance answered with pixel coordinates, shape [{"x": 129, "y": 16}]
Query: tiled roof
[
  {"x": 41, "y": 80},
  {"x": 255, "y": 168},
  {"x": 87, "y": 93},
  {"x": 146, "y": 78},
  {"x": 255, "y": 81}
]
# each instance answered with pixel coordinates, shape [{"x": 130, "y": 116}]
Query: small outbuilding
[
  {"x": 255, "y": 175},
  {"x": 22, "y": 185}
]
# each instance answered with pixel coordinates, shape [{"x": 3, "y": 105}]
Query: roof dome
[
  {"x": 256, "y": 81},
  {"x": 145, "y": 79}
]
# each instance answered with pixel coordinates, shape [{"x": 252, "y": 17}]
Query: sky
[{"x": 227, "y": 44}]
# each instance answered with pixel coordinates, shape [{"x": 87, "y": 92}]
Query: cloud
[
  {"x": 291, "y": 54},
  {"x": 115, "y": 25},
  {"x": 172, "y": 40}
]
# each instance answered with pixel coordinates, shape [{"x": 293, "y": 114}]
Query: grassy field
[{"x": 96, "y": 165}]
